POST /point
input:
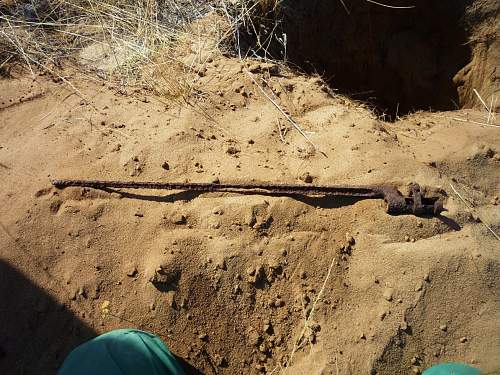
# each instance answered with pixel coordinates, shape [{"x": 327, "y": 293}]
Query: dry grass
[
  {"x": 137, "y": 40},
  {"x": 255, "y": 28},
  {"x": 130, "y": 35}
]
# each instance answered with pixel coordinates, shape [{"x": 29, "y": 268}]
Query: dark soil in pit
[{"x": 399, "y": 60}]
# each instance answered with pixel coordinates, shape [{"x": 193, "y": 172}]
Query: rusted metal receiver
[{"x": 416, "y": 203}]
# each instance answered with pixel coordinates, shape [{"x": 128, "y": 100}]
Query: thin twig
[
  {"x": 476, "y": 122},
  {"x": 295, "y": 125},
  {"x": 345, "y": 7},
  {"x": 492, "y": 104},
  {"x": 481, "y": 100},
  {"x": 472, "y": 209},
  {"x": 280, "y": 131},
  {"x": 391, "y": 6},
  {"x": 306, "y": 323},
  {"x": 479, "y": 123}
]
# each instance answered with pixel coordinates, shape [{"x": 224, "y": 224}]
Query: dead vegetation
[
  {"x": 139, "y": 38},
  {"x": 47, "y": 36}
]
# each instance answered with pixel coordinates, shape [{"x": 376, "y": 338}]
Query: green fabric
[
  {"x": 451, "y": 369},
  {"x": 122, "y": 352}
]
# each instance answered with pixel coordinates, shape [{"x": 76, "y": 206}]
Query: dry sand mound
[{"x": 239, "y": 284}]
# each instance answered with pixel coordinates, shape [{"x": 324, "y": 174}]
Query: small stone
[
  {"x": 403, "y": 326},
  {"x": 415, "y": 369},
  {"x": 283, "y": 252},
  {"x": 263, "y": 348},
  {"x": 303, "y": 275},
  {"x": 382, "y": 315},
  {"x": 170, "y": 297},
  {"x": 203, "y": 337},
  {"x": 82, "y": 292},
  {"x": 165, "y": 166},
  {"x": 220, "y": 361},
  {"x": 463, "y": 339},
  {"x": 443, "y": 327},
  {"x": 268, "y": 328},
  {"x": 163, "y": 276},
  {"x": 419, "y": 287},
  {"x": 221, "y": 264},
  {"x": 179, "y": 219},
  {"x": 307, "y": 178},
  {"x": 388, "y": 293},
  {"x": 350, "y": 239},
  {"x": 407, "y": 239},
  {"x": 279, "y": 302},
  {"x": 231, "y": 150},
  {"x": 315, "y": 327},
  {"x": 427, "y": 278},
  {"x": 254, "y": 338},
  {"x": 132, "y": 271}
]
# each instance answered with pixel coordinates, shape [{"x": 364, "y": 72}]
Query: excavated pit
[{"x": 398, "y": 60}]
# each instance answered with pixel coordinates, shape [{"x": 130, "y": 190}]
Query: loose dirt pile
[{"x": 244, "y": 284}]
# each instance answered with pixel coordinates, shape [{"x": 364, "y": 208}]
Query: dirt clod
[
  {"x": 388, "y": 294},
  {"x": 307, "y": 178}
]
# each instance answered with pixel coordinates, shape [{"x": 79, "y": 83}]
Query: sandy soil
[{"x": 236, "y": 277}]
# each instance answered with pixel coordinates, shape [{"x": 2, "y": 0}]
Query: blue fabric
[
  {"x": 122, "y": 352},
  {"x": 451, "y": 369}
]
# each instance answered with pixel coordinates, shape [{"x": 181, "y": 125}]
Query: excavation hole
[{"x": 398, "y": 60}]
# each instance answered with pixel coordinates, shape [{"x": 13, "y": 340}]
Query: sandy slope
[{"x": 241, "y": 272}]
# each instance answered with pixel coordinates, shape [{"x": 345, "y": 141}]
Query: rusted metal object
[{"x": 416, "y": 203}]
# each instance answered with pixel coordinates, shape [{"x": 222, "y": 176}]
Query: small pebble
[
  {"x": 443, "y": 327},
  {"x": 463, "y": 339},
  {"x": 231, "y": 150},
  {"x": 165, "y": 166},
  {"x": 307, "y": 178},
  {"x": 132, "y": 271},
  {"x": 179, "y": 219},
  {"x": 388, "y": 294},
  {"x": 203, "y": 336},
  {"x": 350, "y": 239}
]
